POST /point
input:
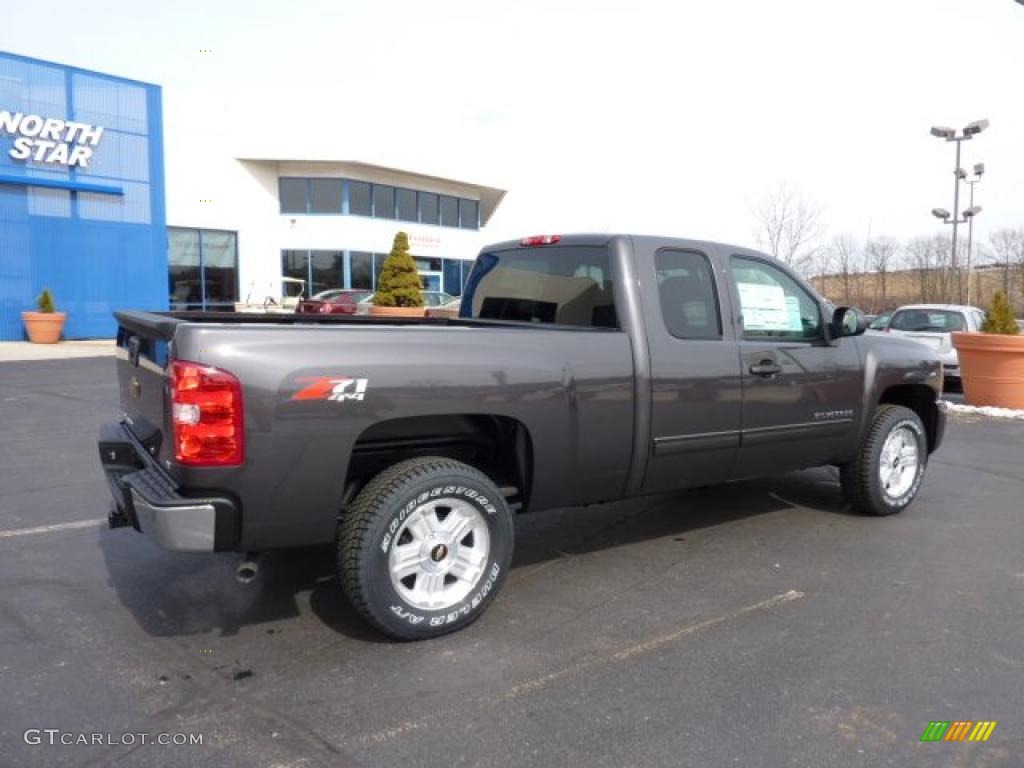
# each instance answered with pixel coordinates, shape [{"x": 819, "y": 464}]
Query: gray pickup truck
[{"x": 583, "y": 369}]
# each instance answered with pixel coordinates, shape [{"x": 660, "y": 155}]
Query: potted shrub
[
  {"x": 399, "y": 286},
  {"x": 45, "y": 325},
  {"x": 992, "y": 362}
]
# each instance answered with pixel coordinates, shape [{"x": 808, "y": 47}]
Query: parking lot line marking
[
  {"x": 624, "y": 654},
  {"x": 52, "y": 528},
  {"x": 649, "y": 645}
]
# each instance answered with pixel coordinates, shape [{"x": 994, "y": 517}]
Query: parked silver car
[{"x": 932, "y": 324}]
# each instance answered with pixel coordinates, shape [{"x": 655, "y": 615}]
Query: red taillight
[
  {"x": 540, "y": 240},
  {"x": 207, "y": 415}
]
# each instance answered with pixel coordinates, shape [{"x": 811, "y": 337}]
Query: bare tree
[
  {"x": 1007, "y": 247},
  {"x": 789, "y": 227},
  {"x": 947, "y": 282},
  {"x": 921, "y": 259},
  {"x": 822, "y": 266},
  {"x": 881, "y": 255},
  {"x": 845, "y": 258}
]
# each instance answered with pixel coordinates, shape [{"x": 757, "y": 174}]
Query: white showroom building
[{"x": 238, "y": 224}]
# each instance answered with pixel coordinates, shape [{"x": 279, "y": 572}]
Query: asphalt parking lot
[{"x": 756, "y": 624}]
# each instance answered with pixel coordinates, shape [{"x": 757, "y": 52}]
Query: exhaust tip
[{"x": 247, "y": 572}]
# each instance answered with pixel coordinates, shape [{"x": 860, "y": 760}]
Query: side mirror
[{"x": 848, "y": 321}]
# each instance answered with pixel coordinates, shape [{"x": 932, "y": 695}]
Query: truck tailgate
[{"x": 142, "y": 355}]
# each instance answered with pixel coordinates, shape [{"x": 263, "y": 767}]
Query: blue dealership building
[
  {"x": 82, "y": 208},
  {"x": 86, "y": 210}
]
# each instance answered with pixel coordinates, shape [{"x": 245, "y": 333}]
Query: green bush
[
  {"x": 44, "y": 303},
  {"x": 399, "y": 284},
  {"x": 1000, "y": 317}
]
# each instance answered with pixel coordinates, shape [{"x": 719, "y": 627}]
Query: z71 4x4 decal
[{"x": 337, "y": 388}]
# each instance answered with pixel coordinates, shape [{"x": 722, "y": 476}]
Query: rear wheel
[
  {"x": 425, "y": 547},
  {"x": 887, "y": 472}
]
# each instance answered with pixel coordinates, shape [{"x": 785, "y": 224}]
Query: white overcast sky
[{"x": 655, "y": 117}]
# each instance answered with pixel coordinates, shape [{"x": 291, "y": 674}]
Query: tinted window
[
  {"x": 327, "y": 270},
  {"x": 359, "y": 198},
  {"x": 772, "y": 304},
  {"x": 468, "y": 212},
  {"x": 686, "y": 291},
  {"x": 361, "y": 270},
  {"x": 383, "y": 202},
  {"x": 184, "y": 268},
  {"x": 406, "y": 203},
  {"x": 449, "y": 211},
  {"x": 220, "y": 267},
  {"x": 567, "y": 285},
  {"x": 293, "y": 264},
  {"x": 879, "y": 323},
  {"x": 928, "y": 320},
  {"x": 452, "y": 269},
  {"x": 293, "y": 194},
  {"x": 325, "y": 195},
  {"x": 428, "y": 208}
]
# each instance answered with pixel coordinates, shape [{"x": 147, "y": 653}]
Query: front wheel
[
  {"x": 887, "y": 472},
  {"x": 425, "y": 547}
]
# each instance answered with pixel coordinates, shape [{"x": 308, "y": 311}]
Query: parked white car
[{"x": 932, "y": 324}]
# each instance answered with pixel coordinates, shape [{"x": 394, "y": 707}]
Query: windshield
[{"x": 930, "y": 320}]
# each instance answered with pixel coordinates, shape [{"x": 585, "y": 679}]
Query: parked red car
[{"x": 334, "y": 302}]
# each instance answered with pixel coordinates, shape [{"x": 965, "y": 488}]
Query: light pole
[
  {"x": 949, "y": 134},
  {"x": 969, "y": 214}
]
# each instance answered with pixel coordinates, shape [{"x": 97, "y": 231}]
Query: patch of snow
[{"x": 982, "y": 410}]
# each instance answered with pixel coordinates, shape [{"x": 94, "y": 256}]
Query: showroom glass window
[
  {"x": 326, "y": 271},
  {"x": 449, "y": 211},
  {"x": 405, "y": 202},
  {"x": 452, "y": 270},
  {"x": 202, "y": 268},
  {"x": 295, "y": 264},
  {"x": 383, "y": 201},
  {"x": 361, "y": 270},
  {"x": 359, "y": 198},
  {"x": 294, "y": 195},
  {"x": 469, "y": 211},
  {"x": 429, "y": 211},
  {"x": 325, "y": 195}
]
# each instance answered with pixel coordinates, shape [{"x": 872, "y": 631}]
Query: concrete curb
[{"x": 11, "y": 351}]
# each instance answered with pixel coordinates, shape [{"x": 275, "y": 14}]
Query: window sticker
[
  {"x": 793, "y": 314},
  {"x": 765, "y": 308}
]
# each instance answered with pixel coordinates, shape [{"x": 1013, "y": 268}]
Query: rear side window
[
  {"x": 561, "y": 285},
  {"x": 686, "y": 291},
  {"x": 928, "y": 320}
]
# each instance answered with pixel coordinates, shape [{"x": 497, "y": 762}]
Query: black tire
[
  {"x": 370, "y": 529},
  {"x": 861, "y": 478}
]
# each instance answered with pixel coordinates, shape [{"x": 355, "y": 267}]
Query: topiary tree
[
  {"x": 1000, "y": 317},
  {"x": 44, "y": 303},
  {"x": 399, "y": 284}
]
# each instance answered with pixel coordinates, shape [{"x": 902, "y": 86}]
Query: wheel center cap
[{"x": 439, "y": 553}]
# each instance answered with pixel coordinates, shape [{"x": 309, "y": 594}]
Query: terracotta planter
[
  {"x": 992, "y": 368},
  {"x": 43, "y": 327},
  {"x": 396, "y": 311}
]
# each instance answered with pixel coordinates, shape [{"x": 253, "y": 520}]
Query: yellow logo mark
[{"x": 982, "y": 730}]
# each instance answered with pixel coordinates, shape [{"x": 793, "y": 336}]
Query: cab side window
[
  {"x": 772, "y": 304},
  {"x": 686, "y": 291}
]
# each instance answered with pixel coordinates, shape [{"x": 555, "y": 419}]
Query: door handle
[{"x": 767, "y": 368}]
